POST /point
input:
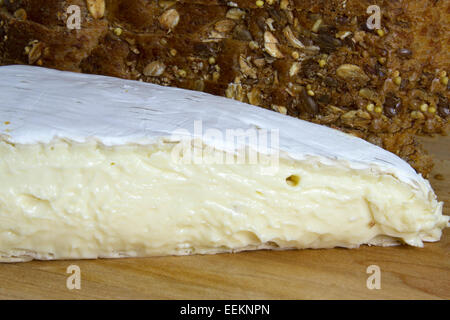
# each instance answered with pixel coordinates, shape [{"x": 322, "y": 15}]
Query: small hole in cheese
[{"x": 293, "y": 180}]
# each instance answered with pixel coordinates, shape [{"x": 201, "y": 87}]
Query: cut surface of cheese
[{"x": 99, "y": 167}]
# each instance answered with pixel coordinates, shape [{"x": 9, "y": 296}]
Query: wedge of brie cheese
[{"x": 99, "y": 167}]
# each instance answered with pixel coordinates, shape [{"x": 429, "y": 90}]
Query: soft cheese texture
[{"x": 87, "y": 170}]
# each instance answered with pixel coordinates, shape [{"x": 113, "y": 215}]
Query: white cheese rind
[
  {"x": 86, "y": 171},
  {"x": 42, "y": 104}
]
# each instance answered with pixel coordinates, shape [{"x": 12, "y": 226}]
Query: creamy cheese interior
[{"x": 67, "y": 200}]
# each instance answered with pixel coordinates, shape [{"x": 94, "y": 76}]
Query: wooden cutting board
[{"x": 406, "y": 272}]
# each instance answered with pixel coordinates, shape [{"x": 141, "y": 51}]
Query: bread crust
[{"x": 315, "y": 60}]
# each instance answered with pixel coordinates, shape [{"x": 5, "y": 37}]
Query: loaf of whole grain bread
[{"x": 316, "y": 60}]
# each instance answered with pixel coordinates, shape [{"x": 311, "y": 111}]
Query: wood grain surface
[{"x": 406, "y": 272}]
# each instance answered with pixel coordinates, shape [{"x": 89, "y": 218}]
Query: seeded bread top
[{"x": 317, "y": 61}]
